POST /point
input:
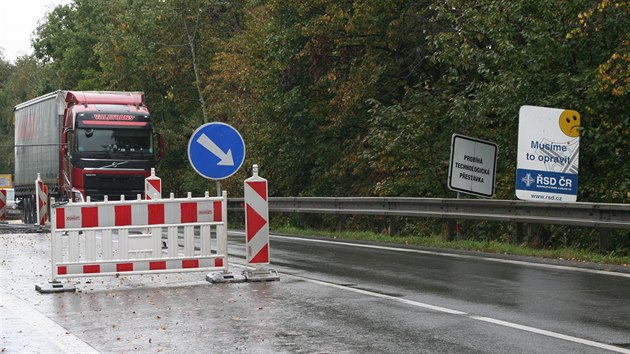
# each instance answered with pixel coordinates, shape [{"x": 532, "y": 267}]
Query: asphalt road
[{"x": 332, "y": 297}]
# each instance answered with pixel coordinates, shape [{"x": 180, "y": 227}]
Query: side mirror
[{"x": 160, "y": 148}]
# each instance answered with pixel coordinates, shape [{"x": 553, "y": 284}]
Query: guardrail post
[
  {"x": 301, "y": 220},
  {"x": 393, "y": 225},
  {"x": 603, "y": 240},
  {"x": 520, "y": 232},
  {"x": 342, "y": 223},
  {"x": 451, "y": 226}
]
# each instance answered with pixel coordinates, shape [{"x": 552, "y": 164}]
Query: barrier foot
[
  {"x": 54, "y": 287},
  {"x": 225, "y": 277},
  {"x": 261, "y": 275}
]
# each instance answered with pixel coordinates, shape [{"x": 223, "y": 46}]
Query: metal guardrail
[{"x": 597, "y": 215}]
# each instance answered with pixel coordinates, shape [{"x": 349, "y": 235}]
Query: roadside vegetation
[{"x": 352, "y": 98}]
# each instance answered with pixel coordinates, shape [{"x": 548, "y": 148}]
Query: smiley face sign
[
  {"x": 548, "y": 154},
  {"x": 570, "y": 123}
]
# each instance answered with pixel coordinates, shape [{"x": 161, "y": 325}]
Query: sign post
[
  {"x": 216, "y": 151},
  {"x": 548, "y": 152}
]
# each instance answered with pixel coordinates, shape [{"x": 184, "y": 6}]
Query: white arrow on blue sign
[{"x": 216, "y": 150}]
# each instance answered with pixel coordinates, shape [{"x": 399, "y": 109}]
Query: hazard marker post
[
  {"x": 257, "y": 228},
  {"x": 41, "y": 195},
  {"x": 3, "y": 204},
  {"x": 153, "y": 187}
]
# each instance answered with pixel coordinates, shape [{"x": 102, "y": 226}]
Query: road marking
[
  {"x": 552, "y": 334},
  {"x": 512, "y": 325},
  {"x": 454, "y": 255},
  {"x": 59, "y": 336}
]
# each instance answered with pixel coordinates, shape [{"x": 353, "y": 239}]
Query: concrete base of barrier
[
  {"x": 55, "y": 287},
  {"x": 261, "y": 275},
  {"x": 225, "y": 277}
]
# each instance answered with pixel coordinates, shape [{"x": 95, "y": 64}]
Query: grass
[{"x": 483, "y": 246}]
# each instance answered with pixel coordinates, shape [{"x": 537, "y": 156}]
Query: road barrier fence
[
  {"x": 125, "y": 237},
  {"x": 3, "y": 204}
]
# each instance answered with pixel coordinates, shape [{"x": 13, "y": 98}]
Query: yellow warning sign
[{"x": 5, "y": 181}]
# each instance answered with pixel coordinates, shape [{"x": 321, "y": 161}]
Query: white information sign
[
  {"x": 547, "y": 157},
  {"x": 473, "y": 166}
]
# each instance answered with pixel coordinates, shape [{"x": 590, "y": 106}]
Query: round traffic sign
[{"x": 216, "y": 150}]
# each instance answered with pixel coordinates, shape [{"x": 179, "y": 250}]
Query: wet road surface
[{"x": 332, "y": 297}]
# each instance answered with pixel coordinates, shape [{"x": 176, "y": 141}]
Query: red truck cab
[{"x": 108, "y": 145}]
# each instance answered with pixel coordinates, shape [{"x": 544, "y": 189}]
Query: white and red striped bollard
[
  {"x": 257, "y": 227},
  {"x": 46, "y": 204},
  {"x": 256, "y": 219},
  {"x": 41, "y": 196},
  {"x": 153, "y": 186},
  {"x": 3, "y": 204}
]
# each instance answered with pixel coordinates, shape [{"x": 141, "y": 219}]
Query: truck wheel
[
  {"x": 29, "y": 210},
  {"x": 24, "y": 209},
  {"x": 26, "y": 214},
  {"x": 34, "y": 210}
]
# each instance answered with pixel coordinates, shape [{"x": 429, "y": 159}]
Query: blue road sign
[{"x": 216, "y": 150}]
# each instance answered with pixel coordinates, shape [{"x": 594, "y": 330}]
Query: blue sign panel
[
  {"x": 546, "y": 181},
  {"x": 216, "y": 150}
]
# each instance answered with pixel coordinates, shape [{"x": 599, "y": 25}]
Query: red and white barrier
[
  {"x": 41, "y": 195},
  {"x": 3, "y": 204},
  {"x": 257, "y": 229},
  {"x": 153, "y": 186},
  {"x": 256, "y": 219},
  {"x": 113, "y": 224}
]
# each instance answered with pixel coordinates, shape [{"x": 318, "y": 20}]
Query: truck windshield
[{"x": 127, "y": 142}]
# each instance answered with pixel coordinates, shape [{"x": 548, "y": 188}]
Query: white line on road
[
  {"x": 453, "y": 255},
  {"x": 59, "y": 336},
  {"x": 543, "y": 332},
  {"x": 457, "y": 312}
]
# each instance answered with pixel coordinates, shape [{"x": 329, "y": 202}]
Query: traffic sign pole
[{"x": 216, "y": 151}]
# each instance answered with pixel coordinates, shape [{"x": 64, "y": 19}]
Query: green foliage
[{"x": 351, "y": 98}]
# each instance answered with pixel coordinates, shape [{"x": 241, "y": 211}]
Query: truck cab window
[{"x": 123, "y": 142}]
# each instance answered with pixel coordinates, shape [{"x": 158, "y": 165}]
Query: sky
[{"x": 18, "y": 21}]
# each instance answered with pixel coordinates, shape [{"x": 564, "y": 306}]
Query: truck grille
[{"x": 97, "y": 186}]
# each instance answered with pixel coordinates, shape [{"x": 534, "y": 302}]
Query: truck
[{"x": 83, "y": 144}]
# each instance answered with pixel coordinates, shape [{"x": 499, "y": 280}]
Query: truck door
[{"x": 67, "y": 149}]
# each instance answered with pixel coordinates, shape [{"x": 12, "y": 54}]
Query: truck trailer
[{"x": 83, "y": 144}]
